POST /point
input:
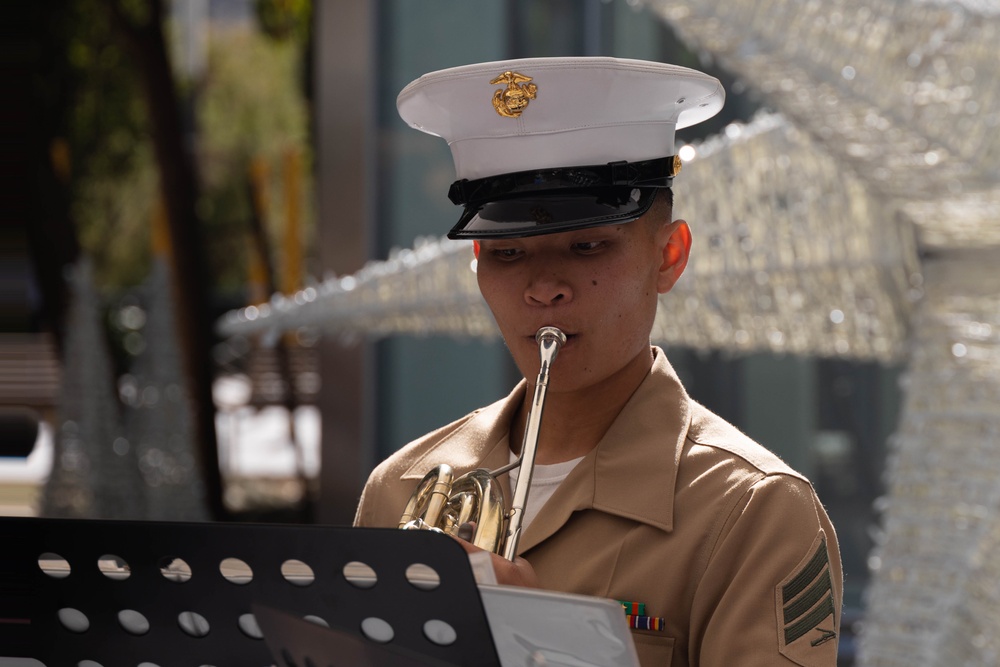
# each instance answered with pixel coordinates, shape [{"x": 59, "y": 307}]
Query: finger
[
  {"x": 469, "y": 547},
  {"x": 466, "y": 531}
]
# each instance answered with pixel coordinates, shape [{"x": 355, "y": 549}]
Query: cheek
[
  {"x": 627, "y": 299},
  {"x": 486, "y": 285},
  {"x": 622, "y": 282},
  {"x": 486, "y": 278},
  {"x": 497, "y": 294}
]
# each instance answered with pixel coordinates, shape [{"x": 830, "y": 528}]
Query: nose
[{"x": 547, "y": 289}]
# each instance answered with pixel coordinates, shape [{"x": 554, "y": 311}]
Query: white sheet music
[{"x": 535, "y": 628}]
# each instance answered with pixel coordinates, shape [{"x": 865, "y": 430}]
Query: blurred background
[{"x": 225, "y": 295}]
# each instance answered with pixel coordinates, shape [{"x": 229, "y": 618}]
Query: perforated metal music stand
[
  {"x": 125, "y": 593},
  {"x": 296, "y": 642}
]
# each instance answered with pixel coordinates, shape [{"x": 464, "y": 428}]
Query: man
[{"x": 721, "y": 553}]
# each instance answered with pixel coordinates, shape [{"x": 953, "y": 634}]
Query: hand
[{"x": 508, "y": 573}]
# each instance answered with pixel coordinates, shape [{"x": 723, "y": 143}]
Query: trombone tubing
[{"x": 549, "y": 339}]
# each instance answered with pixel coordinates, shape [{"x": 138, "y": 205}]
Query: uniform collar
[{"x": 631, "y": 473}]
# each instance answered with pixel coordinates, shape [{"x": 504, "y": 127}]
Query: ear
[
  {"x": 676, "y": 250},
  {"x": 475, "y": 249}
]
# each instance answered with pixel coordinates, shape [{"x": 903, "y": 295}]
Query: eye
[
  {"x": 506, "y": 254},
  {"x": 587, "y": 247}
]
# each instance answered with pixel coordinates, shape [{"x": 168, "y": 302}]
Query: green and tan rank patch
[{"x": 807, "y": 612}]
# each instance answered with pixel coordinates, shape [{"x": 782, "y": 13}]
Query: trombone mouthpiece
[{"x": 550, "y": 334}]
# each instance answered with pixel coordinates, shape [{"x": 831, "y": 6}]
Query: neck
[{"x": 575, "y": 421}]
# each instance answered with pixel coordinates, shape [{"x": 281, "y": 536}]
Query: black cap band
[
  {"x": 656, "y": 173},
  {"x": 553, "y": 211}
]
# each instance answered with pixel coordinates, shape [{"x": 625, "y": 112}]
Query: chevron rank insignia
[{"x": 807, "y": 609}]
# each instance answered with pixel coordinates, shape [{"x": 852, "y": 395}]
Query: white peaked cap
[{"x": 533, "y": 114}]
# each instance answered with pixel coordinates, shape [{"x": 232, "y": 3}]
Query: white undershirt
[{"x": 544, "y": 481}]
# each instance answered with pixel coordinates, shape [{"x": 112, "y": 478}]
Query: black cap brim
[{"x": 548, "y": 213}]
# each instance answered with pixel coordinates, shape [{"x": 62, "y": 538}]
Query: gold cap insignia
[{"x": 513, "y": 99}]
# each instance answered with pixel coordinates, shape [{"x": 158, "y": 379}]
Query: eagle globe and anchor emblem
[{"x": 513, "y": 99}]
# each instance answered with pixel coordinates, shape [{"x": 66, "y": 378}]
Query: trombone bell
[{"x": 443, "y": 504}]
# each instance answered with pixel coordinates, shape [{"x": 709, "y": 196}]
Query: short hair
[{"x": 665, "y": 196}]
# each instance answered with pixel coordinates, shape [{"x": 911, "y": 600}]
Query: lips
[
  {"x": 570, "y": 337},
  {"x": 565, "y": 329}
]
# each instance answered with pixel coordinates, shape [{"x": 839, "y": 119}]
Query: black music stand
[
  {"x": 296, "y": 642},
  {"x": 173, "y": 594}
]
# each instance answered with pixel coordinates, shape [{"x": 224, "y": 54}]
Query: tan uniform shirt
[{"x": 674, "y": 508}]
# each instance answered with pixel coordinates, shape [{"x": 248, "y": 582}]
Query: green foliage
[
  {"x": 249, "y": 106},
  {"x": 114, "y": 174},
  {"x": 283, "y": 20},
  {"x": 249, "y": 103},
  {"x": 138, "y": 12}
]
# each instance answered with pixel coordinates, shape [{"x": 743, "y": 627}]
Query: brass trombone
[{"x": 443, "y": 503}]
